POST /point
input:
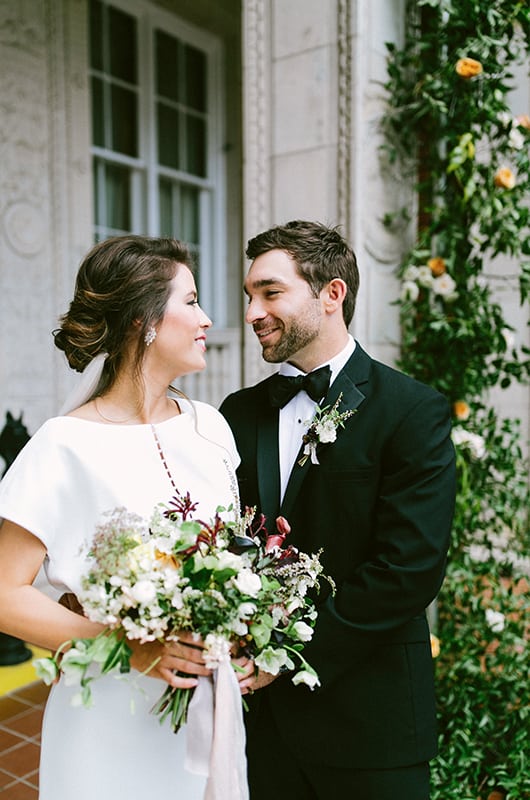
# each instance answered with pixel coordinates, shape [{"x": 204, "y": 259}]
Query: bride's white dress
[{"x": 67, "y": 476}]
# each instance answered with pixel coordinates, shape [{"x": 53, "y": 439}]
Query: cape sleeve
[{"x": 36, "y": 490}]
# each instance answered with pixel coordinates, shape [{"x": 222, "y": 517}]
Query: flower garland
[{"x": 449, "y": 90}]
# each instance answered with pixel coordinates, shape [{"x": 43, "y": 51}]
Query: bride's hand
[{"x": 164, "y": 659}]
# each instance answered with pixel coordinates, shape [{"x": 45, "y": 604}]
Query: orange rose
[
  {"x": 523, "y": 121},
  {"x": 436, "y": 265},
  {"x": 504, "y": 178},
  {"x": 435, "y": 646},
  {"x": 461, "y": 410},
  {"x": 468, "y": 67},
  {"x": 495, "y": 795}
]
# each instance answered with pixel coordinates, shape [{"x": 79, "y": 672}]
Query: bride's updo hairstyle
[{"x": 122, "y": 288}]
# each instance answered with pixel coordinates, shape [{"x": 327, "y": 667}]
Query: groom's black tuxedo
[{"x": 380, "y": 505}]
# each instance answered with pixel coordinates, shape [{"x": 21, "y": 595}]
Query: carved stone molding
[
  {"x": 24, "y": 228},
  {"x": 344, "y": 44},
  {"x": 257, "y": 110},
  {"x": 21, "y": 25}
]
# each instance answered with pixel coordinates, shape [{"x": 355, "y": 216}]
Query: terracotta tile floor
[{"x": 20, "y": 723}]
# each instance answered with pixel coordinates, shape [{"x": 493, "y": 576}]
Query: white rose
[
  {"x": 444, "y": 285},
  {"x": 248, "y": 582},
  {"x": 326, "y": 431},
  {"x": 141, "y": 556},
  {"x": 228, "y": 560},
  {"x": 246, "y": 610},
  {"x": 474, "y": 443},
  {"x": 143, "y": 592},
  {"x": 238, "y": 627},
  {"x": 93, "y": 594},
  {"x": 459, "y": 435},
  {"x": 495, "y": 620},
  {"x": 425, "y": 277},
  {"x": 505, "y": 118},
  {"x": 409, "y": 291},
  {"x": 516, "y": 139},
  {"x": 477, "y": 446},
  {"x": 410, "y": 274},
  {"x": 176, "y": 599}
]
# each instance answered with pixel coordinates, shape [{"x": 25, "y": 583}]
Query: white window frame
[{"x": 146, "y": 171}]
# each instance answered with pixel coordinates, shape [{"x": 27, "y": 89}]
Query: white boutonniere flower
[{"x": 323, "y": 429}]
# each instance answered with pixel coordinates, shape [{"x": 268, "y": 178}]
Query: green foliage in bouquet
[{"x": 450, "y": 130}]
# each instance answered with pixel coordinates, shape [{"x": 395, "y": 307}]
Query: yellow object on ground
[{"x": 13, "y": 677}]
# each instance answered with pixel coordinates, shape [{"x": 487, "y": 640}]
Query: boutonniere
[{"x": 323, "y": 429}]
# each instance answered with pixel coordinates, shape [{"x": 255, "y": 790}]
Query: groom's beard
[{"x": 295, "y": 336}]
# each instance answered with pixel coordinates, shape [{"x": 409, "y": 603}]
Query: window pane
[
  {"x": 117, "y": 198},
  {"x": 195, "y": 146},
  {"x": 167, "y": 71},
  {"x": 179, "y": 211},
  {"x": 189, "y": 214},
  {"x": 98, "y": 128},
  {"x": 98, "y": 211},
  {"x": 124, "y": 121},
  {"x": 195, "y": 72},
  {"x": 96, "y": 34},
  {"x": 165, "y": 203},
  {"x": 168, "y": 136},
  {"x": 122, "y": 45}
]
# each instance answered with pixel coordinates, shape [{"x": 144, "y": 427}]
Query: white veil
[{"x": 86, "y": 385}]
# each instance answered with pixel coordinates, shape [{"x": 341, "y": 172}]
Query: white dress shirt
[{"x": 296, "y": 415}]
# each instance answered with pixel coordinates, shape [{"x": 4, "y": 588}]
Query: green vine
[{"x": 450, "y": 131}]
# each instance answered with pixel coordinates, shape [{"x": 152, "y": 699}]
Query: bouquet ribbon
[{"x": 216, "y": 735}]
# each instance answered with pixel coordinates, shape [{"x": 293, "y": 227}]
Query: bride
[{"x": 125, "y": 439}]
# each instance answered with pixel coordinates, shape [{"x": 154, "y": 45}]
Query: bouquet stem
[{"x": 174, "y": 704}]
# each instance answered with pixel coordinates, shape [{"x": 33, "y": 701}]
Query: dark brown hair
[
  {"x": 320, "y": 254},
  {"x": 122, "y": 288}
]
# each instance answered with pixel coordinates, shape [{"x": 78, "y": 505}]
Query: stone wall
[
  {"x": 313, "y": 99},
  {"x": 44, "y": 194}
]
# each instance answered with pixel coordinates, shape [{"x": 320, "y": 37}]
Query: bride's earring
[{"x": 150, "y": 336}]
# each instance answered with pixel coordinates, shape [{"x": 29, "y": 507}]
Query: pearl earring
[{"x": 150, "y": 336}]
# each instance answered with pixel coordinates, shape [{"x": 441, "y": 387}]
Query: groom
[{"x": 379, "y": 502}]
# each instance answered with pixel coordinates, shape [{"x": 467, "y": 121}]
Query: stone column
[
  {"x": 44, "y": 193},
  {"x": 256, "y": 149},
  {"x": 26, "y": 279}
]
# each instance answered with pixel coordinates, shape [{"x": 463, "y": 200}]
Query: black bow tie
[{"x": 283, "y": 388}]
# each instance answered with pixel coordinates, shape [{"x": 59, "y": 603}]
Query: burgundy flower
[{"x": 276, "y": 539}]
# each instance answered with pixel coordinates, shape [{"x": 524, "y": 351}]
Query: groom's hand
[{"x": 249, "y": 678}]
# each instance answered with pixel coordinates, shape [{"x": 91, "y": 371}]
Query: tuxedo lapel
[
  {"x": 354, "y": 372},
  {"x": 268, "y": 463}
]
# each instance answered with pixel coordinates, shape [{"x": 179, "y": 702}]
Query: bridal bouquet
[{"x": 229, "y": 582}]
